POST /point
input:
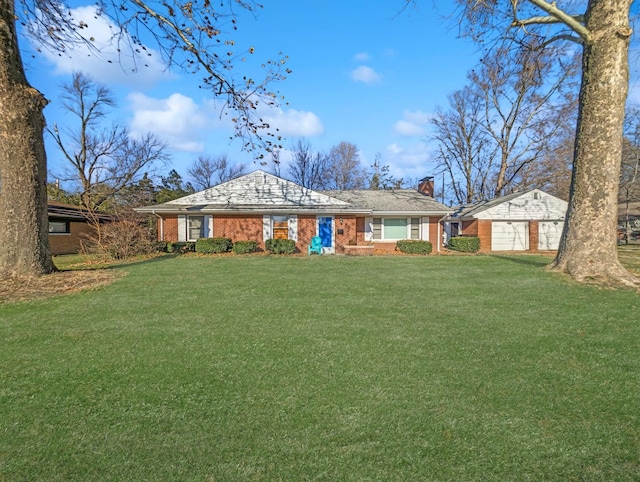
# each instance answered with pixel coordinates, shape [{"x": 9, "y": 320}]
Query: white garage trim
[{"x": 510, "y": 236}]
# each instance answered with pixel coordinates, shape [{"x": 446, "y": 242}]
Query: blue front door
[{"x": 325, "y": 232}]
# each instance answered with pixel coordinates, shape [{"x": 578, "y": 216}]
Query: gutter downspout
[{"x": 161, "y": 224}]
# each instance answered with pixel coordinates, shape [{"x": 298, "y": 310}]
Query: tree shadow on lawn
[
  {"x": 70, "y": 279},
  {"x": 539, "y": 261}
]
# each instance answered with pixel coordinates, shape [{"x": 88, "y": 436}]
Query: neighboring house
[
  {"x": 68, "y": 226},
  {"x": 260, "y": 206},
  {"x": 522, "y": 221}
]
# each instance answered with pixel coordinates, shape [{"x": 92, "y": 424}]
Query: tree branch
[{"x": 556, "y": 15}]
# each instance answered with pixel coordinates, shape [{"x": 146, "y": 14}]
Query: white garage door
[
  {"x": 509, "y": 236},
  {"x": 549, "y": 234}
]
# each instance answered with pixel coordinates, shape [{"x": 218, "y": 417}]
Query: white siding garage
[
  {"x": 549, "y": 234},
  {"x": 509, "y": 236}
]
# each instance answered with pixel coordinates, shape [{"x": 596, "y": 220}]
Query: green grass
[{"x": 323, "y": 368}]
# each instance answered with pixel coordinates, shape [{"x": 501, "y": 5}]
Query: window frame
[
  {"x": 413, "y": 226},
  {"x": 67, "y": 227},
  {"x": 189, "y": 228}
]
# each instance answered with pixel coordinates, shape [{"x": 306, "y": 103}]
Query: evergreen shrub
[
  {"x": 245, "y": 247},
  {"x": 280, "y": 246},
  {"x": 464, "y": 244},
  {"x": 213, "y": 245},
  {"x": 410, "y": 246}
]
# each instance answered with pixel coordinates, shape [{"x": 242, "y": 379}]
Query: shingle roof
[
  {"x": 392, "y": 200},
  {"x": 260, "y": 191}
]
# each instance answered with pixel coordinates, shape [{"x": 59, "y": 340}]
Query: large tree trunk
[
  {"x": 588, "y": 250},
  {"x": 24, "y": 238}
]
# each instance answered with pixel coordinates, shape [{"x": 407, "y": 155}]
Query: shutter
[
  {"x": 266, "y": 227},
  {"x": 208, "y": 226},
  {"x": 293, "y": 227},
  {"x": 368, "y": 229},
  {"x": 182, "y": 228},
  {"x": 425, "y": 229}
]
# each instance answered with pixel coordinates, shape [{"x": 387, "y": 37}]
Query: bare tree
[
  {"x": 193, "y": 36},
  {"x": 465, "y": 152},
  {"x": 588, "y": 248},
  {"x": 345, "y": 169},
  {"x": 521, "y": 89},
  {"x": 207, "y": 171},
  {"x": 308, "y": 168},
  {"x": 101, "y": 161}
]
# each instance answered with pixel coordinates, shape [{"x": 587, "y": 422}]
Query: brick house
[
  {"x": 260, "y": 206},
  {"x": 523, "y": 221},
  {"x": 68, "y": 226}
]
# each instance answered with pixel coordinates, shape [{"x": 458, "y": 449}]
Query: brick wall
[
  {"x": 349, "y": 227},
  {"x": 470, "y": 228},
  {"x": 239, "y": 228},
  {"x": 534, "y": 230},
  {"x": 69, "y": 243},
  {"x": 169, "y": 230},
  {"x": 484, "y": 233}
]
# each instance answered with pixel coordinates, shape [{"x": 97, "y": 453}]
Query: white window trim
[
  {"x": 267, "y": 226},
  {"x": 183, "y": 227},
  {"x": 369, "y": 224}
]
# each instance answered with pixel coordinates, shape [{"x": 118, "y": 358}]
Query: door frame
[{"x": 328, "y": 249}]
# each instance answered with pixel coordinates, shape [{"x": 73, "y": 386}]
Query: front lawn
[{"x": 323, "y": 368}]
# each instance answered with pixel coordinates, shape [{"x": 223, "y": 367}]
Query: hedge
[
  {"x": 280, "y": 246},
  {"x": 245, "y": 247},
  {"x": 414, "y": 247},
  {"x": 464, "y": 244},
  {"x": 213, "y": 245},
  {"x": 180, "y": 247}
]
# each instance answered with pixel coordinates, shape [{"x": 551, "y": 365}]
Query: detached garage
[{"x": 523, "y": 221}]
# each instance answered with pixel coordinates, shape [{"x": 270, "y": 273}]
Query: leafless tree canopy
[
  {"x": 308, "y": 168},
  {"x": 501, "y": 127},
  {"x": 207, "y": 171},
  {"x": 101, "y": 161},
  {"x": 345, "y": 168}
]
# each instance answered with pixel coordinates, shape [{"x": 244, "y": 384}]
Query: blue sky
[{"x": 362, "y": 72}]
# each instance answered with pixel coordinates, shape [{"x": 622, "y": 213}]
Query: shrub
[
  {"x": 414, "y": 247},
  {"x": 213, "y": 245},
  {"x": 464, "y": 244},
  {"x": 245, "y": 247},
  {"x": 180, "y": 247},
  {"x": 119, "y": 240},
  {"x": 280, "y": 246}
]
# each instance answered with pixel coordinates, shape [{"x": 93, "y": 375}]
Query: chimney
[{"x": 426, "y": 186}]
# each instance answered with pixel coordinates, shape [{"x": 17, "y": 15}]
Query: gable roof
[
  {"x": 391, "y": 201},
  {"x": 258, "y": 191},
  {"x": 531, "y": 204}
]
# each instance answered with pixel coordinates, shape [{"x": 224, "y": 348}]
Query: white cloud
[
  {"x": 365, "y": 75},
  {"x": 293, "y": 122},
  {"x": 104, "y": 63},
  {"x": 177, "y": 120},
  {"x": 412, "y": 124},
  {"x": 362, "y": 56},
  {"x": 409, "y": 162}
]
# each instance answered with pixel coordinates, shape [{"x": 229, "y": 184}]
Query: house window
[
  {"x": 393, "y": 229},
  {"x": 59, "y": 227},
  {"x": 196, "y": 228},
  {"x": 280, "y": 227}
]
